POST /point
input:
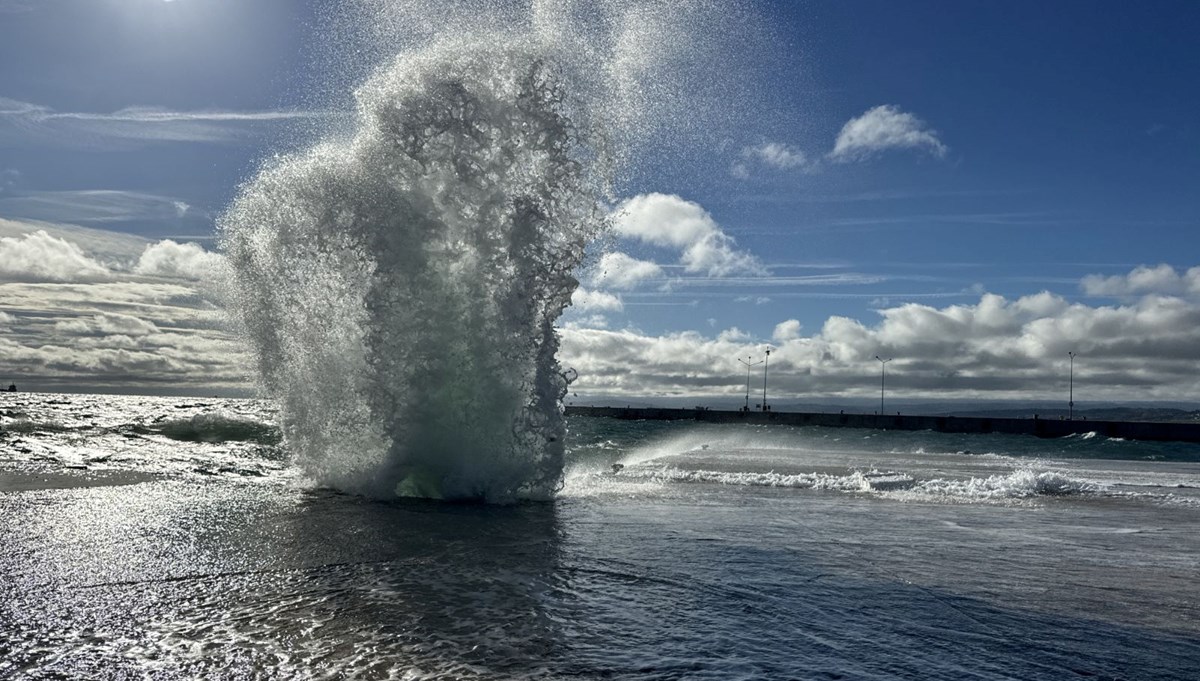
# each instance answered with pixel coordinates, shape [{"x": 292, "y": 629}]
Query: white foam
[
  {"x": 400, "y": 285},
  {"x": 1020, "y": 484}
]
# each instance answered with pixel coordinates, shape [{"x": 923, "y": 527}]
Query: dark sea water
[{"x": 169, "y": 538}]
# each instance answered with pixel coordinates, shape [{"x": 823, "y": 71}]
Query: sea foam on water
[{"x": 400, "y": 285}]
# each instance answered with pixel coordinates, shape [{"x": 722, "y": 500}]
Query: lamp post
[
  {"x": 882, "y": 379},
  {"x": 748, "y": 365},
  {"x": 766, "y": 363},
  {"x": 1071, "y": 397}
]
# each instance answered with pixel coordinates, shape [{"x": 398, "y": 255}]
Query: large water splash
[{"x": 400, "y": 283}]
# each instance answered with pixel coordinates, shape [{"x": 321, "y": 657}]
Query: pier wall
[{"x": 1049, "y": 428}]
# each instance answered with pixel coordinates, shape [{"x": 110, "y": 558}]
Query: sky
[{"x": 972, "y": 190}]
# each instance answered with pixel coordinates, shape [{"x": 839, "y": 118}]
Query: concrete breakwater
[{"x": 1129, "y": 430}]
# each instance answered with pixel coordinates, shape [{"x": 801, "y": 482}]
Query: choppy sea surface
[{"x": 146, "y": 537}]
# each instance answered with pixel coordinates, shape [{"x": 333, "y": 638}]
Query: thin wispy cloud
[
  {"x": 30, "y": 124},
  {"x": 17, "y": 6},
  {"x": 840, "y": 279},
  {"x": 9, "y": 179},
  {"x": 771, "y": 155},
  {"x": 884, "y": 128},
  {"x": 95, "y": 206}
]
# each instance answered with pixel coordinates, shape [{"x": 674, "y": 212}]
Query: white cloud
[
  {"x": 72, "y": 322},
  {"x": 106, "y": 324},
  {"x": 786, "y": 331},
  {"x": 103, "y": 246},
  {"x": 9, "y": 178},
  {"x": 95, "y": 205},
  {"x": 38, "y": 256},
  {"x": 777, "y": 155},
  {"x": 34, "y": 124},
  {"x": 622, "y": 271},
  {"x": 595, "y": 321},
  {"x": 123, "y": 324},
  {"x": 995, "y": 348},
  {"x": 882, "y": 128},
  {"x": 15, "y": 6},
  {"x": 187, "y": 261},
  {"x": 585, "y": 300},
  {"x": 122, "y": 336},
  {"x": 670, "y": 221},
  {"x": 1143, "y": 280},
  {"x": 734, "y": 334},
  {"x": 757, "y": 300}
]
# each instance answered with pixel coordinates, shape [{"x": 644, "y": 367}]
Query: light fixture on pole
[
  {"x": 748, "y": 365},
  {"x": 882, "y": 379},
  {"x": 766, "y": 363},
  {"x": 1071, "y": 397}
]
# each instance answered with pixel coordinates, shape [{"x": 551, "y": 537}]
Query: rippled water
[{"x": 163, "y": 538}]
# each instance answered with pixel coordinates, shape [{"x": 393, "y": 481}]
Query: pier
[{"x": 1048, "y": 428}]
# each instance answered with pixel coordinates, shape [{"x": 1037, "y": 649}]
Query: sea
[{"x": 173, "y": 538}]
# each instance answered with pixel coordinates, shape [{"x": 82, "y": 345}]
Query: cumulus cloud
[
  {"x": 996, "y": 348},
  {"x": 74, "y": 322},
  {"x": 621, "y": 271},
  {"x": 882, "y": 128},
  {"x": 733, "y": 333},
  {"x": 585, "y": 300},
  {"x": 101, "y": 245},
  {"x": 786, "y": 331},
  {"x": 38, "y": 256},
  {"x": 669, "y": 221},
  {"x": 186, "y": 261},
  {"x": 594, "y": 321},
  {"x": 116, "y": 324},
  {"x": 120, "y": 336},
  {"x": 1143, "y": 280}
]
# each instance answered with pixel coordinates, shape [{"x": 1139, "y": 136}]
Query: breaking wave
[
  {"x": 215, "y": 428},
  {"x": 1020, "y": 484},
  {"x": 400, "y": 284}
]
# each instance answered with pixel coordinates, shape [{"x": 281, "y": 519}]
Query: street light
[
  {"x": 1071, "y": 399},
  {"x": 748, "y": 365},
  {"x": 882, "y": 379},
  {"x": 766, "y": 363}
]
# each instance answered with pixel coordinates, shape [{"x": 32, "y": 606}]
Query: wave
[
  {"x": 1021, "y": 484},
  {"x": 216, "y": 428},
  {"x": 31, "y": 426},
  {"x": 400, "y": 286}
]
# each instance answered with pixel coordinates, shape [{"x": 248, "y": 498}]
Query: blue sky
[{"x": 1003, "y": 149}]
